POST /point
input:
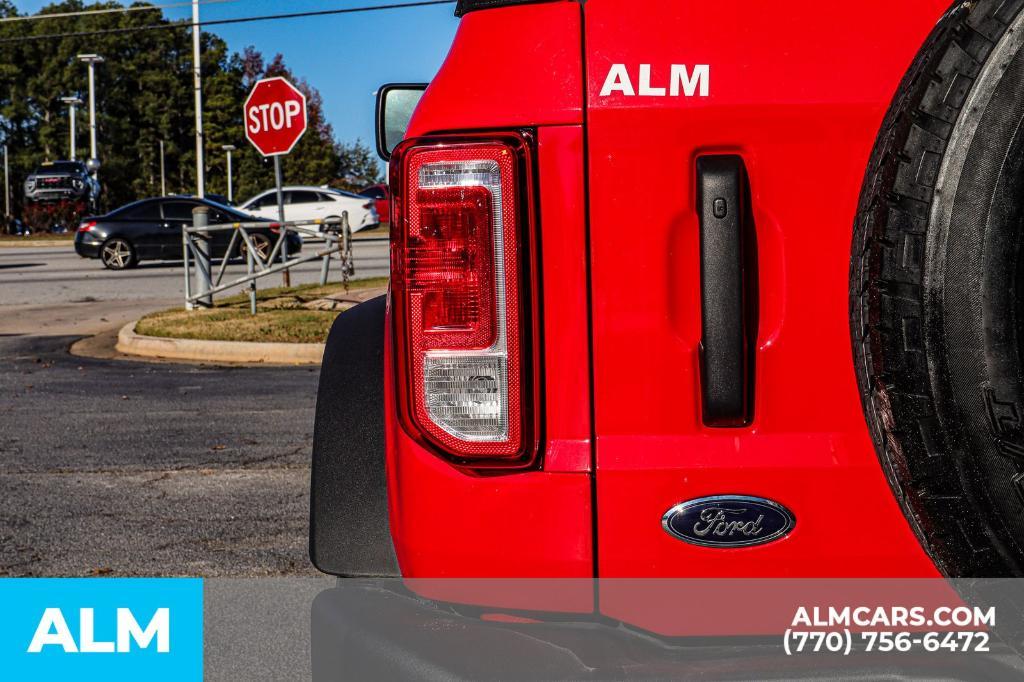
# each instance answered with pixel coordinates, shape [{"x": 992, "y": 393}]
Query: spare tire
[{"x": 937, "y": 291}]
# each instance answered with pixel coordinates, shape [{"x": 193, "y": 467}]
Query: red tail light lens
[
  {"x": 87, "y": 226},
  {"x": 459, "y": 272}
]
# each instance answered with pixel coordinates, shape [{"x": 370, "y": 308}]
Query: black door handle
[{"x": 728, "y": 292}]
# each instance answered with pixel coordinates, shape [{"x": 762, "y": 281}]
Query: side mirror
[{"x": 395, "y": 104}]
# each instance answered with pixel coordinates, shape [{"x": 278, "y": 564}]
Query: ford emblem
[{"x": 728, "y": 521}]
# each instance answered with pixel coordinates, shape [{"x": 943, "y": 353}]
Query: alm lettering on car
[
  {"x": 681, "y": 80},
  {"x": 728, "y": 521}
]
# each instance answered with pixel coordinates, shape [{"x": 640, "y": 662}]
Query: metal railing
[{"x": 250, "y": 239}]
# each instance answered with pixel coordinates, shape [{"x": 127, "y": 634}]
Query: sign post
[
  {"x": 286, "y": 276},
  {"x": 275, "y": 118}
]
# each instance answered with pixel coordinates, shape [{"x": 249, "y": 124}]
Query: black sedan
[{"x": 151, "y": 230}]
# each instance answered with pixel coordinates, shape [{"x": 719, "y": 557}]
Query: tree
[
  {"x": 357, "y": 166},
  {"x": 144, "y": 95}
]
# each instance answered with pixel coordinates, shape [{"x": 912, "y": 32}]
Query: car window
[
  {"x": 179, "y": 210},
  {"x": 303, "y": 197},
  {"x": 324, "y": 196},
  {"x": 147, "y": 211},
  {"x": 373, "y": 193}
]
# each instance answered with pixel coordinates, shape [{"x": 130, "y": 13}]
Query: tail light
[
  {"x": 368, "y": 205},
  {"x": 87, "y": 226},
  {"x": 460, "y": 266}
]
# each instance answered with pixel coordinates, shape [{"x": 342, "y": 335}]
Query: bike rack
[{"x": 195, "y": 246}]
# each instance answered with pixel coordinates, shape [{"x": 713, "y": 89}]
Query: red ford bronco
[{"x": 692, "y": 289}]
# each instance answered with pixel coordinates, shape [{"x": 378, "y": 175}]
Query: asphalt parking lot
[{"x": 121, "y": 467}]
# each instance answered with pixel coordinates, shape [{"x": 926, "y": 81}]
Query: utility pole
[
  {"x": 92, "y": 60},
  {"x": 197, "y": 80},
  {"x": 163, "y": 183},
  {"x": 231, "y": 192},
  {"x": 72, "y": 103},
  {"x": 7, "y": 187}
]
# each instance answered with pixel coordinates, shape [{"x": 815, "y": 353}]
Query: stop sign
[{"x": 275, "y": 116}]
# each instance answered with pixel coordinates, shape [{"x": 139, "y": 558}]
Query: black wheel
[
  {"x": 262, "y": 244},
  {"x": 937, "y": 292},
  {"x": 118, "y": 254}
]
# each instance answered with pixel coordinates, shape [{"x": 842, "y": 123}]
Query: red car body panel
[
  {"x": 508, "y": 67},
  {"x": 799, "y": 92},
  {"x": 447, "y": 522}
]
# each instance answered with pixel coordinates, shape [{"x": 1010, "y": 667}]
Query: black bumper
[
  {"x": 87, "y": 248},
  {"x": 376, "y": 630}
]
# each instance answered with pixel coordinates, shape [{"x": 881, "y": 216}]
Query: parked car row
[{"x": 150, "y": 229}]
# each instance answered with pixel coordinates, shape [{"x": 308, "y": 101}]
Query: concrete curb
[
  {"x": 29, "y": 243},
  {"x": 130, "y": 343}
]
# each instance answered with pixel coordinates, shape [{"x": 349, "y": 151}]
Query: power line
[
  {"x": 216, "y": 22},
  {"x": 106, "y": 10}
]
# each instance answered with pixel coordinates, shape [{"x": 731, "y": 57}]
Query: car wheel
[
  {"x": 263, "y": 246},
  {"x": 118, "y": 254},
  {"x": 937, "y": 292}
]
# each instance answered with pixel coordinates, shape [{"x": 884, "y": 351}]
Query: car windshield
[
  {"x": 60, "y": 167},
  {"x": 231, "y": 211}
]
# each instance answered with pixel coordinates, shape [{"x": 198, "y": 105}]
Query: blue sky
[{"x": 344, "y": 56}]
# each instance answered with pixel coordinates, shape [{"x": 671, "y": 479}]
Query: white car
[{"x": 310, "y": 203}]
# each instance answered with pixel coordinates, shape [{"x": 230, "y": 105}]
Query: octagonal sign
[{"x": 275, "y": 116}]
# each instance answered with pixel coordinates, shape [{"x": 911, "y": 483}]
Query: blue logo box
[{"x": 101, "y": 628}]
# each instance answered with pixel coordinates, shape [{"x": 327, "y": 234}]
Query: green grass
[
  {"x": 383, "y": 231},
  {"x": 281, "y": 316},
  {"x": 302, "y": 293}
]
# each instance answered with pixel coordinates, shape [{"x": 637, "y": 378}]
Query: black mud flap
[{"x": 348, "y": 519}]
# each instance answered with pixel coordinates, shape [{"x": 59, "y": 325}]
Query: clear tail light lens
[{"x": 459, "y": 273}]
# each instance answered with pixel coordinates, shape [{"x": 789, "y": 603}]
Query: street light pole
[
  {"x": 72, "y": 103},
  {"x": 197, "y": 80},
  {"x": 92, "y": 60},
  {"x": 231, "y": 192}
]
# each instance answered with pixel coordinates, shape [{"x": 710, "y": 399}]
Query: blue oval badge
[{"x": 728, "y": 521}]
